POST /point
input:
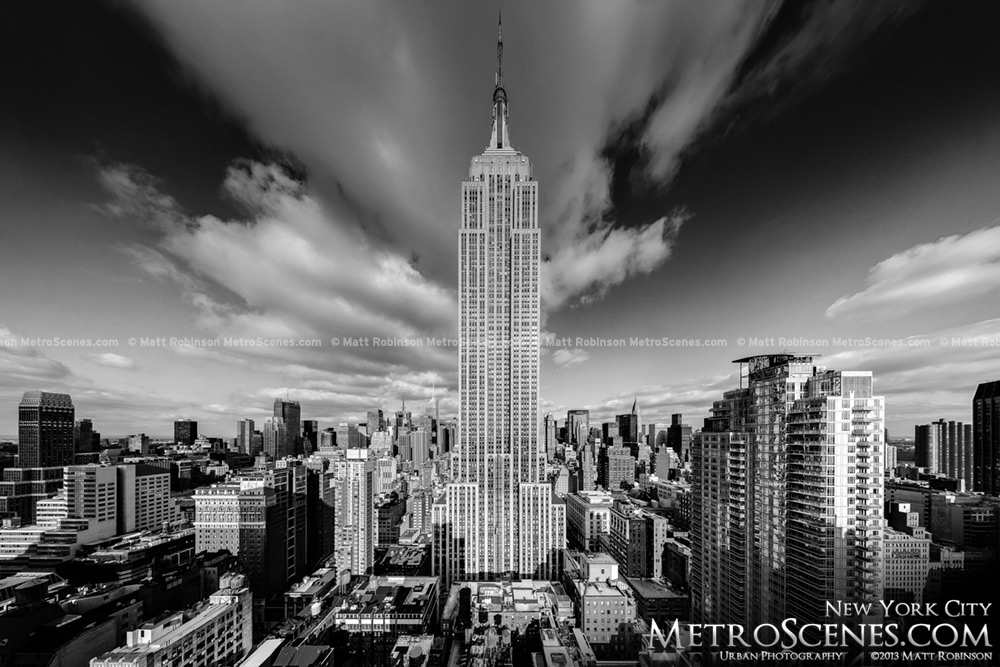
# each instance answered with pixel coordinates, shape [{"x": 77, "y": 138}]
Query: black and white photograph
[{"x": 430, "y": 333}]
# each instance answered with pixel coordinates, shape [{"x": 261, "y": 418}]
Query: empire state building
[{"x": 499, "y": 516}]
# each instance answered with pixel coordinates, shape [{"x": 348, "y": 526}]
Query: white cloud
[
  {"x": 565, "y": 357},
  {"x": 952, "y": 269},
  {"x": 25, "y": 363},
  {"x": 290, "y": 271},
  {"x": 112, "y": 360},
  {"x": 607, "y": 257},
  {"x": 375, "y": 103}
]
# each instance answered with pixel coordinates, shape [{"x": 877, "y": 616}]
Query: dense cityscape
[{"x": 502, "y": 534}]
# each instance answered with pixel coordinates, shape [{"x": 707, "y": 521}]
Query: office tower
[
  {"x": 185, "y": 432},
  {"x": 424, "y": 423},
  {"x": 387, "y": 513},
  {"x": 956, "y": 451},
  {"x": 403, "y": 420},
  {"x": 588, "y": 516},
  {"x": 615, "y": 466},
  {"x": 637, "y": 538},
  {"x": 628, "y": 425},
  {"x": 243, "y": 517},
  {"x": 22, "y": 488},
  {"x": 907, "y": 554},
  {"x": 386, "y": 469},
  {"x": 986, "y": 438},
  {"x": 679, "y": 437},
  {"x": 348, "y": 436},
  {"x": 656, "y": 435},
  {"x": 381, "y": 443},
  {"x": 139, "y": 444},
  {"x": 90, "y": 498},
  {"x": 328, "y": 439},
  {"x": 813, "y": 492},
  {"x": 376, "y": 422},
  {"x": 499, "y": 515},
  {"x": 354, "y": 530},
  {"x": 945, "y": 448},
  {"x": 218, "y": 631},
  {"x": 291, "y": 414},
  {"x": 45, "y": 430},
  {"x": 310, "y": 431},
  {"x": 587, "y": 473},
  {"x": 420, "y": 447},
  {"x": 550, "y": 437},
  {"x": 143, "y": 497},
  {"x": 403, "y": 448},
  {"x": 577, "y": 426},
  {"x": 720, "y": 526},
  {"x": 289, "y": 480},
  {"x": 320, "y": 514},
  {"x": 85, "y": 439},
  {"x": 276, "y": 440},
  {"x": 244, "y": 436},
  {"x": 926, "y": 438}
]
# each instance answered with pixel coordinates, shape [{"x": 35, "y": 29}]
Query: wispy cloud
[
  {"x": 291, "y": 271},
  {"x": 22, "y": 362},
  {"x": 112, "y": 360},
  {"x": 952, "y": 269},
  {"x": 569, "y": 357}
]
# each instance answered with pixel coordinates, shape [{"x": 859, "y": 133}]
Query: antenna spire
[
  {"x": 499, "y": 138},
  {"x": 500, "y": 50}
]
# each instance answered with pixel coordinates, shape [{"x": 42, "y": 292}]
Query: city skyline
[{"x": 221, "y": 185}]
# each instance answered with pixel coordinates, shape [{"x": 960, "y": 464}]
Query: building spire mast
[
  {"x": 499, "y": 139},
  {"x": 500, "y": 50}
]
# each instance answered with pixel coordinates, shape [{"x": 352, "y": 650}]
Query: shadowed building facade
[{"x": 45, "y": 430}]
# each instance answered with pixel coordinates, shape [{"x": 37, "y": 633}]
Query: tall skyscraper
[
  {"x": 788, "y": 494},
  {"x": 244, "y": 436},
  {"x": 310, "y": 437},
  {"x": 276, "y": 439},
  {"x": 185, "y": 432},
  {"x": 85, "y": 439},
  {"x": 985, "y": 438},
  {"x": 354, "y": 529},
  {"x": 926, "y": 438},
  {"x": 577, "y": 426},
  {"x": 550, "y": 437},
  {"x": 628, "y": 426},
  {"x": 679, "y": 437},
  {"x": 243, "y": 517},
  {"x": 499, "y": 515},
  {"x": 45, "y": 430},
  {"x": 376, "y": 422},
  {"x": 945, "y": 448},
  {"x": 291, "y": 413}
]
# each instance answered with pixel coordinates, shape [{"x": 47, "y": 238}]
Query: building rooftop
[
  {"x": 385, "y": 594},
  {"x": 651, "y": 589}
]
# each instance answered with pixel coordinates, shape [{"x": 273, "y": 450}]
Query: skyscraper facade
[
  {"x": 244, "y": 436},
  {"x": 577, "y": 426},
  {"x": 291, "y": 413},
  {"x": 985, "y": 438},
  {"x": 788, "y": 494},
  {"x": 45, "y": 430},
  {"x": 185, "y": 432},
  {"x": 499, "y": 515},
  {"x": 354, "y": 530}
]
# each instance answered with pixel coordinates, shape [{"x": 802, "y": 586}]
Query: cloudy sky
[{"x": 715, "y": 171}]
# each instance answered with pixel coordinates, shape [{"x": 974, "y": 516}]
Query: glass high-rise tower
[
  {"x": 45, "y": 430},
  {"x": 499, "y": 515}
]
